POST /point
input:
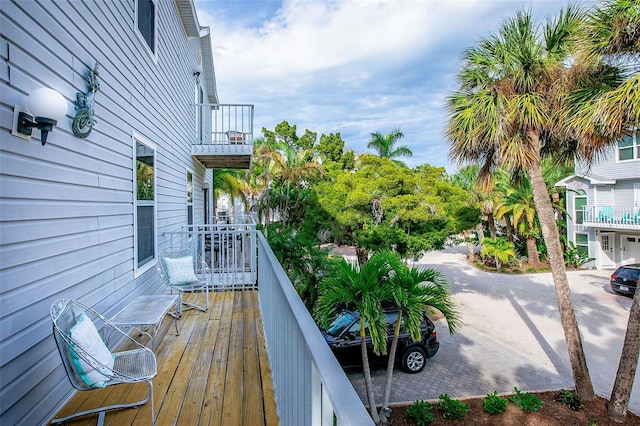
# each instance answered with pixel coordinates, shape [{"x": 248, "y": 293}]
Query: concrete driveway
[{"x": 512, "y": 335}]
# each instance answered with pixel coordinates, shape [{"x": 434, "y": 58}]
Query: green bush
[
  {"x": 452, "y": 408},
  {"x": 526, "y": 401},
  {"x": 570, "y": 399},
  {"x": 421, "y": 412},
  {"x": 494, "y": 403}
]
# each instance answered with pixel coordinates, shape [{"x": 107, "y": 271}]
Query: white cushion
[
  {"x": 180, "y": 270},
  {"x": 99, "y": 361}
]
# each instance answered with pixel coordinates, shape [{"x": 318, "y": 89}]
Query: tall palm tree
[
  {"x": 385, "y": 146},
  {"x": 503, "y": 115},
  {"x": 612, "y": 33},
  {"x": 362, "y": 289},
  {"x": 415, "y": 290}
]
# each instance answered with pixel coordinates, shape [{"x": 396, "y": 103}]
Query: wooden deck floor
[{"x": 216, "y": 372}]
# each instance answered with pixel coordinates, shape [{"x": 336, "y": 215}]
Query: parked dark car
[
  {"x": 343, "y": 337},
  {"x": 625, "y": 279}
]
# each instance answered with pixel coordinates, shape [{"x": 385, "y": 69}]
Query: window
[
  {"x": 146, "y": 22},
  {"x": 189, "y": 198},
  {"x": 144, "y": 205},
  {"x": 582, "y": 243},
  {"x": 580, "y": 202},
  {"x": 629, "y": 147}
]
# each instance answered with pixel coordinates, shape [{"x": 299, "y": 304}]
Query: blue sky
[{"x": 353, "y": 66}]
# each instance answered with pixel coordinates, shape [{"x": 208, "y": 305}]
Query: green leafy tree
[
  {"x": 503, "y": 115},
  {"x": 383, "y": 206},
  {"x": 386, "y": 147},
  {"x": 361, "y": 288}
]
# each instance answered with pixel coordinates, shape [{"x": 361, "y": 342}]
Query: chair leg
[{"x": 101, "y": 410}]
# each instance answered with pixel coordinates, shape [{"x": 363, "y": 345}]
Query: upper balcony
[
  {"x": 612, "y": 217},
  {"x": 224, "y": 135}
]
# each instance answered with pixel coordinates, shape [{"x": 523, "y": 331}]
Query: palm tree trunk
[
  {"x": 368, "y": 384},
  {"x": 509, "y": 226},
  {"x": 390, "y": 364},
  {"x": 617, "y": 406},
  {"x": 492, "y": 225},
  {"x": 532, "y": 251},
  {"x": 584, "y": 387},
  {"x": 480, "y": 232},
  {"x": 362, "y": 255}
]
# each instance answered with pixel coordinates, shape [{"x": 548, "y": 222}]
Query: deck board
[{"x": 215, "y": 372}]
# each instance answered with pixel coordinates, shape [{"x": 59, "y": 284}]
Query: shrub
[
  {"x": 452, "y": 408},
  {"x": 421, "y": 412},
  {"x": 526, "y": 401},
  {"x": 494, "y": 403},
  {"x": 570, "y": 399}
]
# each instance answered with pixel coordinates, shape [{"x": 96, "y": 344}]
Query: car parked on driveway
[
  {"x": 343, "y": 337},
  {"x": 625, "y": 279}
]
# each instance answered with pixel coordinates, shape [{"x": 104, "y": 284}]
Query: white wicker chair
[
  {"x": 192, "y": 275},
  {"x": 129, "y": 366}
]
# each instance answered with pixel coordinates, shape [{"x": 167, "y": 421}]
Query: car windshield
[{"x": 343, "y": 320}]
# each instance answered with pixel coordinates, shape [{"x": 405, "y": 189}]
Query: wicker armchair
[{"x": 87, "y": 360}]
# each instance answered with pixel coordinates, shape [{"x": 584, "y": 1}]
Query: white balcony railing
[
  {"x": 224, "y": 124},
  {"x": 620, "y": 217},
  {"x": 310, "y": 386}
]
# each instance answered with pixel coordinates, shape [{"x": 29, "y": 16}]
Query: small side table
[{"x": 148, "y": 311}]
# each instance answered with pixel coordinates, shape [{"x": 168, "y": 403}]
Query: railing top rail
[{"x": 224, "y": 105}]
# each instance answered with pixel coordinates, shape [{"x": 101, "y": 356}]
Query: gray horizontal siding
[{"x": 66, "y": 215}]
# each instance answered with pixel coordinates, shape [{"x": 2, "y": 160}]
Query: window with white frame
[
  {"x": 144, "y": 204},
  {"x": 582, "y": 243},
  {"x": 189, "y": 194},
  {"x": 629, "y": 147},
  {"x": 580, "y": 201},
  {"x": 146, "y": 22}
]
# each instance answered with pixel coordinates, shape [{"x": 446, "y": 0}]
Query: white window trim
[
  {"x": 635, "y": 148},
  {"x": 152, "y": 54},
  {"x": 139, "y": 270}
]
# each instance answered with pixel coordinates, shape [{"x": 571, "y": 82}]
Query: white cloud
[{"x": 351, "y": 66}]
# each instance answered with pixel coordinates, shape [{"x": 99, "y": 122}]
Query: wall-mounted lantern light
[
  {"x": 197, "y": 71},
  {"x": 46, "y": 107}
]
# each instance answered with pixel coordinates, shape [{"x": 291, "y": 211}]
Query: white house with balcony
[
  {"x": 110, "y": 129},
  {"x": 603, "y": 206}
]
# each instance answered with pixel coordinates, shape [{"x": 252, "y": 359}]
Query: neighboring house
[
  {"x": 603, "y": 206},
  {"x": 84, "y": 218}
]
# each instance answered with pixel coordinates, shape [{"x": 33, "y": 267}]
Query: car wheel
[{"x": 413, "y": 359}]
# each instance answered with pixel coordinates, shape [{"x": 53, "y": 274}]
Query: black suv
[
  {"x": 625, "y": 279},
  {"x": 343, "y": 337}
]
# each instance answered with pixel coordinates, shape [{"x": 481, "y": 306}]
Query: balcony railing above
[
  {"x": 224, "y": 135},
  {"x": 614, "y": 217}
]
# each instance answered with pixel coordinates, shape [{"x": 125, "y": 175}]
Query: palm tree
[
  {"x": 386, "y": 146},
  {"x": 415, "y": 290},
  {"x": 362, "y": 289},
  {"x": 500, "y": 249},
  {"x": 612, "y": 33},
  {"x": 503, "y": 115},
  {"x": 518, "y": 203}
]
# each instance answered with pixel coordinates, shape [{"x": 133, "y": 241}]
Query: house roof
[
  {"x": 593, "y": 180},
  {"x": 189, "y": 17},
  {"x": 207, "y": 65},
  {"x": 192, "y": 28}
]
